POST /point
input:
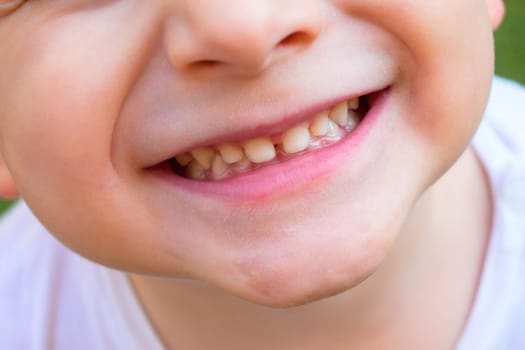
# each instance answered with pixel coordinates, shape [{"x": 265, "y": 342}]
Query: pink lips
[{"x": 284, "y": 178}]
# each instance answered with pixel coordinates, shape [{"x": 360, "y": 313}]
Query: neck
[{"x": 420, "y": 296}]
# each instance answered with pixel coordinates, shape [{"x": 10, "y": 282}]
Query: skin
[{"x": 97, "y": 91}]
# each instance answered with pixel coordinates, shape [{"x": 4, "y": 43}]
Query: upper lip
[
  {"x": 272, "y": 125},
  {"x": 273, "y": 112}
]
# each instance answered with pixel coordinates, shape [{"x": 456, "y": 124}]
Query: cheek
[
  {"x": 65, "y": 93},
  {"x": 56, "y": 127},
  {"x": 58, "y": 118},
  {"x": 449, "y": 95},
  {"x": 57, "y": 142},
  {"x": 448, "y": 62},
  {"x": 446, "y": 67},
  {"x": 448, "y": 70},
  {"x": 57, "y": 131}
]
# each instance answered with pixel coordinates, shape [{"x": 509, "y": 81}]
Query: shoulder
[
  {"x": 42, "y": 284},
  {"x": 499, "y": 310},
  {"x": 507, "y": 90},
  {"x": 22, "y": 241},
  {"x": 500, "y": 142},
  {"x": 28, "y": 257},
  {"x": 504, "y": 118},
  {"x": 50, "y": 297},
  {"x": 21, "y": 238},
  {"x": 507, "y": 100}
]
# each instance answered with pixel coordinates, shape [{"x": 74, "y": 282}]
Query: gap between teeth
[{"x": 229, "y": 159}]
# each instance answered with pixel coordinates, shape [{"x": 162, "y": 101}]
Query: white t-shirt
[
  {"x": 51, "y": 298},
  {"x": 497, "y": 320}
]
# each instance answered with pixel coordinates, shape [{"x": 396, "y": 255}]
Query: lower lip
[{"x": 283, "y": 179}]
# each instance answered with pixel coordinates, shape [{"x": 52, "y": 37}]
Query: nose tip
[{"x": 244, "y": 35}]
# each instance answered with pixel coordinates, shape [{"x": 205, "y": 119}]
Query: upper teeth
[
  {"x": 260, "y": 150},
  {"x": 296, "y": 139},
  {"x": 220, "y": 161}
]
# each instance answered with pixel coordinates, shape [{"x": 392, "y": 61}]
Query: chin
[
  {"x": 284, "y": 291},
  {"x": 289, "y": 275}
]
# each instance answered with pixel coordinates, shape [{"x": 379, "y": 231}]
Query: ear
[
  {"x": 7, "y": 185},
  {"x": 496, "y": 11}
]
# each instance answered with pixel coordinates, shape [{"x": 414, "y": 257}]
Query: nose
[{"x": 244, "y": 35}]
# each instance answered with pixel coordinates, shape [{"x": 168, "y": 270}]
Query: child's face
[{"x": 99, "y": 95}]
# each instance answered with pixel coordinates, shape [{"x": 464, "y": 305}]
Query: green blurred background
[
  {"x": 510, "y": 42},
  {"x": 3, "y": 205},
  {"x": 510, "y": 48}
]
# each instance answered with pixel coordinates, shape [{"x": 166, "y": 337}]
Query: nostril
[
  {"x": 204, "y": 64},
  {"x": 295, "y": 39},
  {"x": 298, "y": 38}
]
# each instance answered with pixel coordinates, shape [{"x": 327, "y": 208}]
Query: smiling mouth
[{"x": 230, "y": 159}]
